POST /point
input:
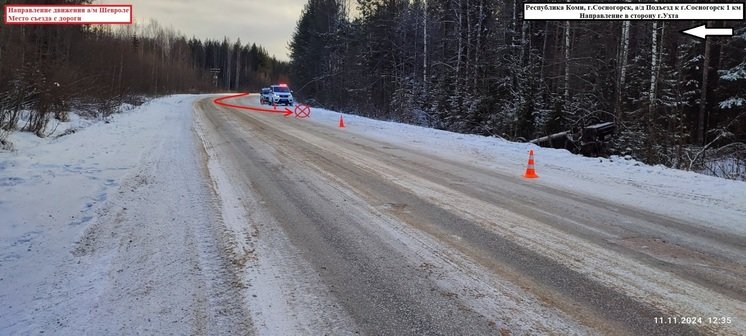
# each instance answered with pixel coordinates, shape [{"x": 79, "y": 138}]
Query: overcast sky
[{"x": 269, "y": 23}]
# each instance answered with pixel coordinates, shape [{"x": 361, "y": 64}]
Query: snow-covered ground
[
  {"x": 57, "y": 262},
  {"x": 688, "y": 196},
  {"x": 101, "y": 231}
]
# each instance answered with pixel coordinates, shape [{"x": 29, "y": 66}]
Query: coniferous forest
[
  {"x": 471, "y": 66},
  {"x": 475, "y": 66},
  {"x": 47, "y": 70}
]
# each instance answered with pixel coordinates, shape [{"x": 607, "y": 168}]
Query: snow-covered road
[{"x": 183, "y": 217}]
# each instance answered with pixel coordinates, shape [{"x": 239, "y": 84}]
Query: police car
[{"x": 281, "y": 95}]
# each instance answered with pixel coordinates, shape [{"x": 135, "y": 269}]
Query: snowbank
[{"x": 50, "y": 191}]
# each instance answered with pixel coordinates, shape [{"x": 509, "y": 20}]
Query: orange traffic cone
[
  {"x": 530, "y": 171},
  {"x": 341, "y": 122}
]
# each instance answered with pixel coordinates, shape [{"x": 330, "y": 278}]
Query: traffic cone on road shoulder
[
  {"x": 530, "y": 170},
  {"x": 341, "y": 122}
]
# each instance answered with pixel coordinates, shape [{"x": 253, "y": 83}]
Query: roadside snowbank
[
  {"x": 20, "y": 141},
  {"x": 51, "y": 192}
]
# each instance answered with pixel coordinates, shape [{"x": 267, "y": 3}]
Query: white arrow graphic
[{"x": 702, "y": 31}]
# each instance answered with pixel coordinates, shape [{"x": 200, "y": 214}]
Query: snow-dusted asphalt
[
  {"x": 186, "y": 218},
  {"x": 400, "y": 241}
]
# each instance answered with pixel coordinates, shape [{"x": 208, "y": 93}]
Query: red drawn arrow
[{"x": 220, "y": 102}]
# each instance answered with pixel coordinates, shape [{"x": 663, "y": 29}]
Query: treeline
[
  {"x": 46, "y": 70},
  {"x": 243, "y": 67},
  {"x": 476, "y": 66}
]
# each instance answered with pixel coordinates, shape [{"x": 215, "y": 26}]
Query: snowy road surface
[{"x": 214, "y": 220}]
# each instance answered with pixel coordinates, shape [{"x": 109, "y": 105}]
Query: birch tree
[
  {"x": 622, "y": 59},
  {"x": 653, "y": 92}
]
